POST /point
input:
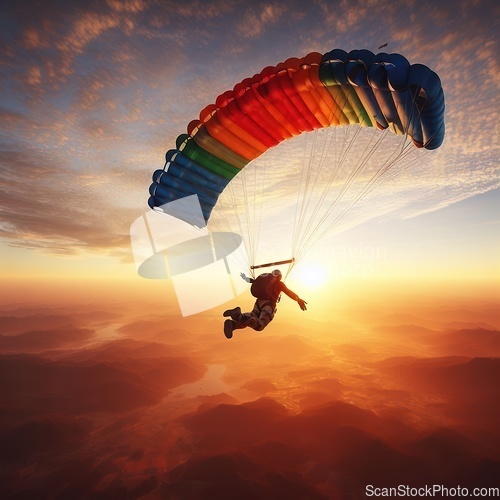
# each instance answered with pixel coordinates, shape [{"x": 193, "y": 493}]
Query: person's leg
[
  {"x": 261, "y": 315},
  {"x": 238, "y": 319},
  {"x": 233, "y": 313},
  {"x": 229, "y": 325},
  {"x": 265, "y": 317},
  {"x": 242, "y": 320}
]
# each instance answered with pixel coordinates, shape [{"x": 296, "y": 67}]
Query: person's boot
[
  {"x": 229, "y": 325},
  {"x": 234, "y": 313}
]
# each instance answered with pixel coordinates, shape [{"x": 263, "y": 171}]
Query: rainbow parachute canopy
[{"x": 299, "y": 95}]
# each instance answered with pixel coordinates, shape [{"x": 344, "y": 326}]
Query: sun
[{"x": 310, "y": 275}]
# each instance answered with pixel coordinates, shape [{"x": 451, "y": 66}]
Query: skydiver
[{"x": 265, "y": 306}]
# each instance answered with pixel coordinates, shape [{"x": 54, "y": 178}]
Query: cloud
[
  {"x": 79, "y": 389},
  {"x": 44, "y": 340},
  {"x": 345, "y": 406},
  {"x": 260, "y": 386},
  {"x": 212, "y": 423},
  {"x": 258, "y": 18},
  {"x": 235, "y": 474},
  {"x": 114, "y": 378},
  {"x": 94, "y": 94},
  {"x": 21, "y": 320},
  {"x": 341, "y": 445},
  {"x": 466, "y": 384},
  {"x": 84, "y": 30},
  {"x": 53, "y": 434},
  {"x": 134, "y": 6},
  {"x": 46, "y": 209}
]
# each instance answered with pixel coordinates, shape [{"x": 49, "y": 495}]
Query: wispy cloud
[
  {"x": 94, "y": 94},
  {"x": 257, "y": 19}
]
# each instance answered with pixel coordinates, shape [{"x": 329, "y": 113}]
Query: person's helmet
[{"x": 277, "y": 274}]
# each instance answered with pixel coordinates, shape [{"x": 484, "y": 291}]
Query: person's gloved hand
[
  {"x": 302, "y": 304},
  {"x": 245, "y": 277}
]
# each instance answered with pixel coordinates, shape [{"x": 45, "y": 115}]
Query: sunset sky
[
  {"x": 391, "y": 375},
  {"x": 94, "y": 94}
]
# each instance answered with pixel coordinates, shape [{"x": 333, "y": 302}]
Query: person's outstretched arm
[{"x": 302, "y": 303}]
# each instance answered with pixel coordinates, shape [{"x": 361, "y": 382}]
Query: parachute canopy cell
[{"x": 299, "y": 95}]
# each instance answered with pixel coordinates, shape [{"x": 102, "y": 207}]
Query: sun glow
[{"x": 310, "y": 275}]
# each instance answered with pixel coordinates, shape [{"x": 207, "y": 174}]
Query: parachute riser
[
  {"x": 269, "y": 264},
  {"x": 291, "y": 263}
]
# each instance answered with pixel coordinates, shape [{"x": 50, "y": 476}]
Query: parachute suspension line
[
  {"x": 406, "y": 149},
  {"x": 301, "y": 203},
  {"x": 300, "y": 190},
  {"x": 244, "y": 209},
  {"x": 304, "y": 191},
  {"x": 291, "y": 265},
  {"x": 245, "y": 228},
  {"x": 304, "y": 218},
  {"x": 315, "y": 207},
  {"x": 353, "y": 174},
  {"x": 316, "y": 222},
  {"x": 301, "y": 236},
  {"x": 403, "y": 155},
  {"x": 252, "y": 237},
  {"x": 230, "y": 215},
  {"x": 229, "y": 226},
  {"x": 305, "y": 176},
  {"x": 257, "y": 205},
  {"x": 313, "y": 233},
  {"x": 308, "y": 217}
]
